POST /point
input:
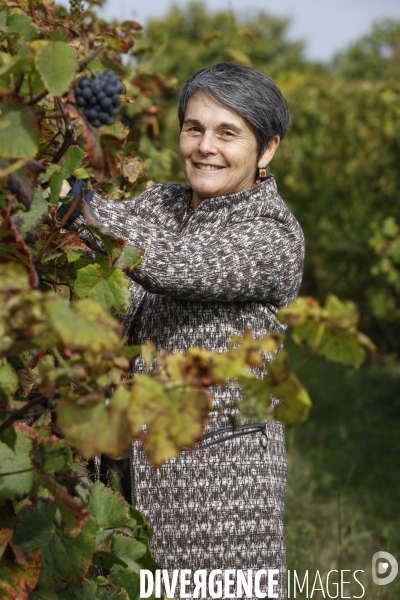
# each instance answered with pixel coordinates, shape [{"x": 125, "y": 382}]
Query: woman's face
[{"x": 218, "y": 149}]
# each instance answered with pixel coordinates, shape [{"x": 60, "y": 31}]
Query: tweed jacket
[{"x": 226, "y": 268}]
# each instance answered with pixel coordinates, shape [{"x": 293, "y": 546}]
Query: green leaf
[
  {"x": 128, "y": 259},
  {"x": 8, "y": 381},
  {"x": 55, "y": 188},
  {"x": 28, "y": 221},
  {"x": 8, "y": 436},
  {"x": 128, "y": 549},
  {"x": 107, "y": 286},
  {"x": 88, "y": 591},
  {"x": 55, "y": 455},
  {"x": 93, "y": 328},
  {"x": 44, "y": 595},
  {"x": 57, "y": 63},
  {"x": 344, "y": 314},
  {"x": 108, "y": 508},
  {"x": 63, "y": 558},
  {"x": 19, "y": 136},
  {"x": 73, "y": 160},
  {"x": 96, "y": 427},
  {"x": 14, "y": 249},
  {"x": 21, "y": 483},
  {"x": 127, "y": 580},
  {"x": 342, "y": 347},
  {"x": 36, "y": 525},
  {"x": 22, "y": 24},
  {"x": 295, "y": 403}
]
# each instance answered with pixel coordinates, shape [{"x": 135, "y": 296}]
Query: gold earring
[{"x": 263, "y": 173}]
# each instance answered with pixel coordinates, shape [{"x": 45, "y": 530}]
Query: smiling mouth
[{"x": 207, "y": 167}]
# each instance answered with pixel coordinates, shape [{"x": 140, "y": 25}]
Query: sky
[{"x": 327, "y": 26}]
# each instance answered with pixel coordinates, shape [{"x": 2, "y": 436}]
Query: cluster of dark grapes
[
  {"x": 76, "y": 6},
  {"x": 99, "y": 97}
]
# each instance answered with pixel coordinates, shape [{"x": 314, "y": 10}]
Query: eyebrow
[{"x": 190, "y": 121}]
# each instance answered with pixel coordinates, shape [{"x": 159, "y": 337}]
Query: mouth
[{"x": 207, "y": 167}]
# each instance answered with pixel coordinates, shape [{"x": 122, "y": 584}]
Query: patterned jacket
[
  {"x": 246, "y": 247},
  {"x": 226, "y": 268}
]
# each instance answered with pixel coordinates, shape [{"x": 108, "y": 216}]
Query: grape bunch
[
  {"x": 99, "y": 97},
  {"x": 76, "y": 6}
]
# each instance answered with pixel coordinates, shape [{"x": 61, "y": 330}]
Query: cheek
[{"x": 186, "y": 147}]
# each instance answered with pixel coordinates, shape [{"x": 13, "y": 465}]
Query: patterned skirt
[{"x": 222, "y": 505}]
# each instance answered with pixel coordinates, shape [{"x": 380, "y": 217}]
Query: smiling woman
[
  {"x": 218, "y": 149},
  {"x": 220, "y": 256}
]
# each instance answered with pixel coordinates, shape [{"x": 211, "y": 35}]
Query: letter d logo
[{"x": 382, "y": 568}]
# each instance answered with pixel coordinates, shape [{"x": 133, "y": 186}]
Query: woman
[{"x": 221, "y": 255}]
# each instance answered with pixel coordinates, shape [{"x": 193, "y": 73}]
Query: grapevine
[{"x": 98, "y": 96}]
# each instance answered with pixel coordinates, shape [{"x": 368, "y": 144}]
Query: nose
[{"x": 207, "y": 143}]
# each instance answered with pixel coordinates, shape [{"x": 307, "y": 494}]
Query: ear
[{"x": 269, "y": 152}]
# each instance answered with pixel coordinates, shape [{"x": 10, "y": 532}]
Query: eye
[
  {"x": 227, "y": 133},
  {"x": 193, "y": 129}
]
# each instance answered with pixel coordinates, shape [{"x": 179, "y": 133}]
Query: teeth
[{"x": 207, "y": 167}]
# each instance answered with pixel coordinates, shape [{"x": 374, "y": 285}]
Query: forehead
[{"x": 210, "y": 111}]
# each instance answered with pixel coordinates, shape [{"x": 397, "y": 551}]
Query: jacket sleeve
[{"x": 259, "y": 259}]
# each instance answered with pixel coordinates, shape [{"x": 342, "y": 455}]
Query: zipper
[{"x": 188, "y": 215}]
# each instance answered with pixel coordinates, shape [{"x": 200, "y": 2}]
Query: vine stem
[
  {"x": 37, "y": 98},
  {"x": 32, "y": 11},
  {"x": 61, "y": 224},
  {"x": 69, "y": 134},
  {"x": 91, "y": 57},
  {"x": 18, "y": 84},
  {"x": 17, "y": 472}
]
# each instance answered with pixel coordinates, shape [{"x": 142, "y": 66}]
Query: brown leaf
[
  {"x": 174, "y": 417},
  {"x": 22, "y": 556},
  {"x": 17, "y": 581},
  {"x": 118, "y": 43},
  {"x": 151, "y": 84},
  {"x": 5, "y": 537},
  {"x": 131, "y": 170}
]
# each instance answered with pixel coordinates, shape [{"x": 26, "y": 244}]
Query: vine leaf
[
  {"x": 281, "y": 383},
  {"x": 97, "y": 427},
  {"x": 28, "y": 221},
  {"x": 14, "y": 249},
  {"x": 128, "y": 549},
  {"x": 63, "y": 558},
  {"x": 8, "y": 381},
  {"x": 5, "y": 536},
  {"x": 57, "y": 63},
  {"x": 18, "y": 580},
  {"x": 93, "y": 328},
  {"x": 175, "y": 417},
  {"x": 18, "y": 462},
  {"x": 19, "y": 131},
  {"x": 106, "y": 285},
  {"x": 330, "y": 331},
  {"x": 108, "y": 509}
]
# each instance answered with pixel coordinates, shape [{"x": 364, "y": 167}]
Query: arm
[{"x": 260, "y": 259}]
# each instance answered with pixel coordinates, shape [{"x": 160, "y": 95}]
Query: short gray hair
[{"x": 249, "y": 92}]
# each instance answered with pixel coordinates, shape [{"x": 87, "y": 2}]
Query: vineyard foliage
[{"x": 67, "y": 393}]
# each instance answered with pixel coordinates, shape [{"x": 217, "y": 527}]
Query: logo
[{"x": 382, "y": 567}]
